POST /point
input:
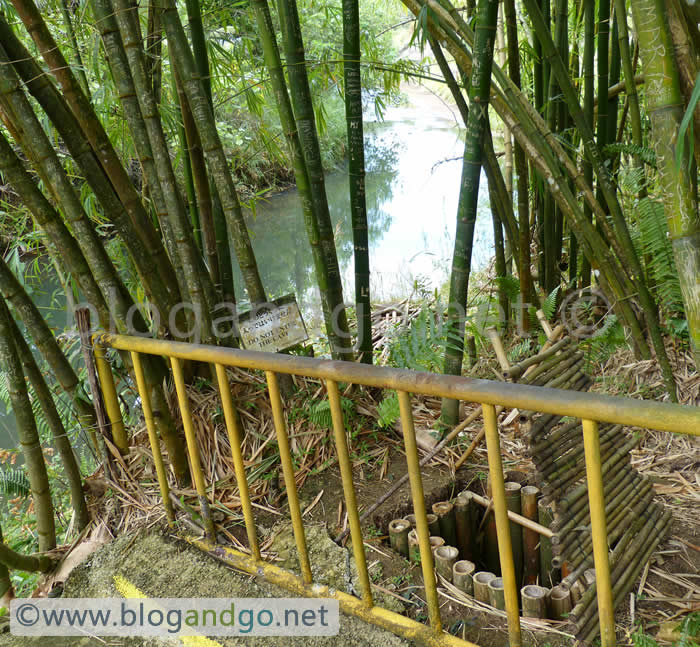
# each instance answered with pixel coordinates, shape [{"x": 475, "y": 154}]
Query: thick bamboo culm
[
  {"x": 544, "y": 514},
  {"x": 534, "y": 601},
  {"x": 481, "y": 585},
  {"x": 497, "y": 596},
  {"x": 560, "y": 602},
  {"x": 446, "y": 518},
  {"x": 463, "y": 524},
  {"x": 531, "y": 539},
  {"x": 413, "y": 548},
  {"x": 463, "y": 576},
  {"x": 513, "y": 502},
  {"x": 434, "y": 525},
  {"x": 398, "y": 535},
  {"x": 445, "y": 558}
]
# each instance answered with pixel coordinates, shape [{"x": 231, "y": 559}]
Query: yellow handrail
[{"x": 588, "y": 407}]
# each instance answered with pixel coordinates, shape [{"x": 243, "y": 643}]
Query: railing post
[
  {"x": 192, "y": 448},
  {"x": 341, "y": 445},
  {"x": 290, "y": 483},
  {"x": 153, "y": 436},
  {"x": 500, "y": 511},
  {"x": 109, "y": 394},
  {"x": 599, "y": 532},
  {"x": 234, "y": 439},
  {"x": 426, "y": 554}
]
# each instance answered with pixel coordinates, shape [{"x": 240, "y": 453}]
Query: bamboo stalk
[
  {"x": 446, "y": 517},
  {"x": 514, "y": 505},
  {"x": 445, "y": 559},
  {"x": 463, "y": 576},
  {"x": 398, "y": 535},
  {"x": 517, "y": 370},
  {"x": 434, "y": 525},
  {"x": 481, "y": 585},
  {"x": 463, "y": 524},
  {"x": 497, "y": 595},
  {"x": 531, "y": 539},
  {"x": 545, "y": 516},
  {"x": 534, "y": 601},
  {"x": 560, "y": 602}
]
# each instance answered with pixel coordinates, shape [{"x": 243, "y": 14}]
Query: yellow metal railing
[{"x": 590, "y": 408}]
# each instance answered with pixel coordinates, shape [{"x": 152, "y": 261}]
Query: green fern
[
  {"x": 388, "y": 410},
  {"x": 652, "y": 237},
  {"x": 419, "y": 347},
  {"x": 647, "y": 155},
  {"x": 549, "y": 306},
  {"x": 14, "y": 483},
  {"x": 320, "y": 413}
]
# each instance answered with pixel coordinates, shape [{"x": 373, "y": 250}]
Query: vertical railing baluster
[
  {"x": 599, "y": 532},
  {"x": 426, "y": 554},
  {"x": 192, "y": 448},
  {"x": 500, "y": 511},
  {"x": 153, "y": 436},
  {"x": 233, "y": 428},
  {"x": 109, "y": 395},
  {"x": 341, "y": 445},
  {"x": 288, "y": 471}
]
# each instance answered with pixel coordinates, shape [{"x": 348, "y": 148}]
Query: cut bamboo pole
[
  {"x": 434, "y": 525},
  {"x": 398, "y": 535},
  {"x": 445, "y": 559},
  {"x": 463, "y": 524},
  {"x": 544, "y": 513},
  {"x": 411, "y": 518},
  {"x": 531, "y": 539},
  {"x": 436, "y": 542},
  {"x": 413, "y": 547},
  {"x": 517, "y": 518},
  {"x": 463, "y": 575},
  {"x": 497, "y": 344},
  {"x": 544, "y": 323},
  {"x": 513, "y": 502},
  {"x": 517, "y": 370},
  {"x": 446, "y": 517},
  {"x": 560, "y": 602},
  {"x": 497, "y": 594},
  {"x": 481, "y": 585},
  {"x": 534, "y": 601}
]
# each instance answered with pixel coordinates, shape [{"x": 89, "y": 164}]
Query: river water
[{"x": 413, "y": 162}]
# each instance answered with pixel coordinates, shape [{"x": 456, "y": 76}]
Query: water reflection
[{"x": 413, "y": 161}]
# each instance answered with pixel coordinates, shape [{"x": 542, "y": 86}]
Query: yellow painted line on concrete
[{"x": 129, "y": 591}]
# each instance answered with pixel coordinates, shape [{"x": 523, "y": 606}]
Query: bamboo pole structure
[
  {"x": 446, "y": 517},
  {"x": 28, "y": 437},
  {"x": 463, "y": 524},
  {"x": 531, "y": 539},
  {"x": 497, "y": 594}
]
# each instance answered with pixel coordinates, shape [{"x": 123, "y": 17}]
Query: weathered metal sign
[{"x": 273, "y": 329}]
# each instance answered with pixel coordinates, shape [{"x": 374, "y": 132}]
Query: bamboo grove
[{"x": 574, "y": 91}]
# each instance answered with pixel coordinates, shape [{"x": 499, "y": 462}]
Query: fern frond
[
  {"x": 647, "y": 155},
  {"x": 388, "y": 410},
  {"x": 14, "y": 483}
]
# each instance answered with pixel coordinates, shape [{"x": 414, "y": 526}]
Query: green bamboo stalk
[
  {"x": 588, "y": 108},
  {"x": 162, "y": 293},
  {"x": 7, "y": 591},
  {"x": 28, "y": 435},
  {"x": 53, "y": 420},
  {"x": 197, "y": 164},
  {"x": 356, "y": 173},
  {"x": 627, "y": 251},
  {"x": 665, "y": 107},
  {"x": 182, "y": 58},
  {"x": 71, "y": 255},
  {"x": 13, "y": 292},
  {"x": 614, "y": 78},
  {"x": 521, "y": 171},
  {"x": 302, "y": 104},
  {"x": 126, "y": 61},
  {"x": 79, "y": 67},
  {"x": 28, "y": 563},
  {"x": 487, "y": 16},
  {"x": 154, "y": 49},
  {"x": 99, "y": 140},
  {"x": 299, "y": 165}
]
